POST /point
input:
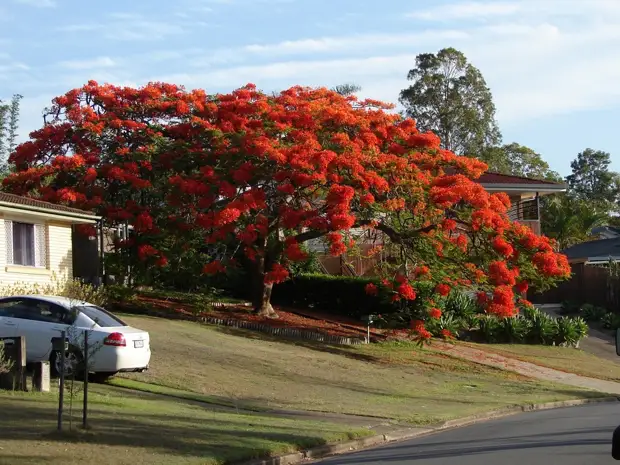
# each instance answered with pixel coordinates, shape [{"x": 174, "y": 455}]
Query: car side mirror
[{"x": 618, "y": 341}]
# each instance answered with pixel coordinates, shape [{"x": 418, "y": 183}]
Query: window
[
  {"x": 100, "y": 316},
  {"x": 26, "y": 309},
  {"x": 25, "y": 244}
]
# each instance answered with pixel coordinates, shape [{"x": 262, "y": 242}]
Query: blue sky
[{"x": 552, "y": 65}]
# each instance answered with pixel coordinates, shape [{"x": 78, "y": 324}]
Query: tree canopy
[
  {"x": 591, "y": 178},
  {"x": 450, "y": 97},
  {"x": 250, "y": 177},
  {"x": 9, "y": 121}
]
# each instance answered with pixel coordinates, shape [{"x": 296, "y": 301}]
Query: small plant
[
  {"x": 513, "y": 329},
  {"x": 490, "y": 328},
  {"x": 568, "y": 331},
  {"x": 611, "y": 321},
  {"x": 542, "y": 328},
  {"x": 448, "y": 323},
  {"x": 591, "y": 313},
  {"x": 529, "y": 312},
  {"x": 460, "y": 305}
]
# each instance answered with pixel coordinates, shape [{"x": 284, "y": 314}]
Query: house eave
[
  {"x": 540, "y": 188},
  {"x": 69, "y": 217}
]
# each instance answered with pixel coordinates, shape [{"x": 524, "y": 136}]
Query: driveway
[{"x": 569, "y": 436}]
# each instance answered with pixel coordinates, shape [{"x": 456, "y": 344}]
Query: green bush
[
  {"x": 71, "y": 288},
  {"x": 570, "y": 331},
  {"x": 532, "y": 327},
  {"x": 447, "y": 322},
  {"x": 542, "y": 328},
  {"x": 513, "y": 330},
  {"x": 591, "y": 312},
  {"x": 611, "y": 321},
  {"x": 338, "y": 295},
  {"x": 461, "y": 305},
  {"x": 490, "y": 329}
]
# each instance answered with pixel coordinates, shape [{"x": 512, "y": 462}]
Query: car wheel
[
  {"x": 73, "y": 363},
  {"x": 101, "y": 376}
]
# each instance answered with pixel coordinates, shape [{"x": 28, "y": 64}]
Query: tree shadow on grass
[{"x": 203, "y": 438}]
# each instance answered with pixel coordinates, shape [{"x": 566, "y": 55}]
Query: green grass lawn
[
  {"x": 396, "y": 381},
  {"x": 561, "y": 358},
  {"x": 127, "y": 428}
]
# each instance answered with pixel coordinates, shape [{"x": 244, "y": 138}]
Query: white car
[{"x": 113, "y": 345}]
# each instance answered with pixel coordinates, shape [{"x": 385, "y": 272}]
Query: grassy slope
[
  {"x": 393, "y": 381},
  {"x": 560, "y": 358},
  {"x": 130, "y": 429}
]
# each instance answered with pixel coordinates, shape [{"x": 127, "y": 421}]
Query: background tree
[
  {"x": 255, "y": 176},
  {"x": 9, "y": 122},
  {"x": 569, "y": 220},
  {"x": 450, "y": 97},
  {"x": 592, "y": 181},
  {"x": 518, "y": 160},
  {"x": 347, "y": 89}
]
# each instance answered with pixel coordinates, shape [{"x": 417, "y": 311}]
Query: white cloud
[
  {"x": 534, "y": 68},
  {"x": 129, "y": 27},
  {"x": 467, "y": 10},
  {"x": 38, "y": 3},
  {"x": 531, "y": 9},
  {"x": 101, "y": 62}
]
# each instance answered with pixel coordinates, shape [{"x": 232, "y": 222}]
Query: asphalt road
[{"x": 568, "y": 436}]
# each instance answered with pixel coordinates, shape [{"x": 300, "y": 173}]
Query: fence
[{"x": 588, "y": 284}]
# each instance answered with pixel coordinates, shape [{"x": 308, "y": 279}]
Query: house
[
  {"x": 36, "y": 239},
  {"x": 524, "y": 194}
]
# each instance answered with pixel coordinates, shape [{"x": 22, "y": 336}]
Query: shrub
[
  {"x": 461, "y": 305},
  {"x": 611, "y": 321},
  {"x": 447, "y": 322},
  {"x": 339, "y": 295},
  {"x": 591, "y": 312},
  {"x": 513, "y": 329},
  {"x": 490, "y": 328},
  {"x": 542, "y": 328},
  {"x": 71, "y": 288},
  {"x": 570, "y": 331}
]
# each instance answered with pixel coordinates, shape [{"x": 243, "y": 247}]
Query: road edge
[{"x": 321, "y": 452}]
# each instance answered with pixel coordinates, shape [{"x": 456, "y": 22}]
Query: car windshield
[{"x": 100, "y": 316}]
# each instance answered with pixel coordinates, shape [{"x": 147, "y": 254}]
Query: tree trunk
[
  {"x": 262, "y": 301},
  {"x": 261, "y": 289}
]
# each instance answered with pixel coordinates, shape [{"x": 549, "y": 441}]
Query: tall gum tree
[{"x": 258, "y": 175}]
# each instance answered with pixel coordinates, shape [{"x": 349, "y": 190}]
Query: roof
[
  {"x": 606, "y": 229},
  {"x": 490, "y": 177},
  {"x": 592, "y": 249},
  {"x": 40, "y": 204}
]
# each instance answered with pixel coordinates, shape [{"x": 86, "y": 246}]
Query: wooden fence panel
[{"x": 589, "y": 284}]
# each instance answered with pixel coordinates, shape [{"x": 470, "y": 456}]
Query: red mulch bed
[{"x": 308, "y": 320}]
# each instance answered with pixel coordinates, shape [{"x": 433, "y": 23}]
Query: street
[{"x": 570, "y": 436}]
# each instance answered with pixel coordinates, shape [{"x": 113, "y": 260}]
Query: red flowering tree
[{"x": 255, "y": 176}]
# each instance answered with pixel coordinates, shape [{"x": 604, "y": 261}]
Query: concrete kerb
[{"x": 322, "y": 452}]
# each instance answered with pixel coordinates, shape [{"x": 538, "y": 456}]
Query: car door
[
  {"x": 39, "y": 322},
  {"x": 8, "y": 324}
]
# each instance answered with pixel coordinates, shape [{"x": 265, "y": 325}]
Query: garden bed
[{"x": 300, "y": 320}]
